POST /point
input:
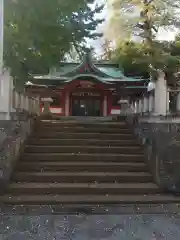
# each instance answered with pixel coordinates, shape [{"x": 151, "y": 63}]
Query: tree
[
  {"x": 107, "y": 50},
  {"x": 122, "y": 17},
  {"x": 132, "y": 58},
  {"x": 153, "y": 16},
  {"x": 130, "y": 55},
  {"x": 39, "y": 33},
  {"x": 146, "y": 18}
]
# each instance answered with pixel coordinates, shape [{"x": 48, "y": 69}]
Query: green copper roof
[
  {"x": 116, "y": 73},
  {"x": 63, "y": 70},
  {"x": 103, "y": 72},
  {"x": 113, "y": 72}
]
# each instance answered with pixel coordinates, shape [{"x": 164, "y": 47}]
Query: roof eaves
[
  {"x": 135, "y": 87},
  {"x": 102, "y": 80}
]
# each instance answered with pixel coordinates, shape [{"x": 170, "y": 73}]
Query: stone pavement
[{"x": 89, "y": 227}]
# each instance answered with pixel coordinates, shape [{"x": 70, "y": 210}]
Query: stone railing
[
  {"x": 24, "y": 105},
  {"x": 162, "y": 144},
  {"x": 11, "y": 146},
  {"x": 23, "y": 112},
  {"x": 17, "y": 117},
  {"x": 144, "y": 105}
]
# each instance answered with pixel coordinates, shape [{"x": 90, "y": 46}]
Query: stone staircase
[{"x": 71, "y": 162}]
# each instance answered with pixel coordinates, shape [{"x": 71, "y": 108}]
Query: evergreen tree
[
  {"x": 151, "y": 17},
  {"x": 39, "y": 33}
]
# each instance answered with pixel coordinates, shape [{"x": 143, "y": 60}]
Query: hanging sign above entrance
[
  {"x": 86, "y": 84},
  {"x": 86, "y": 94}
]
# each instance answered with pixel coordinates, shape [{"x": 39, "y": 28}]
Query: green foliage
[
  {"x": 146, "y": 18},
  {"x": 38, "y": 33},
  {"x": 131, "y": 58},
  {"x": 134, "y": 58}
]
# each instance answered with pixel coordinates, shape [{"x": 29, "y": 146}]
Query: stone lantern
[
  {"x": 124, "y": 103},
  {"x": 46, "y": 103}
]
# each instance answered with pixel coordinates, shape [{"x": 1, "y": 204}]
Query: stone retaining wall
[
  {"x": 13, "y": 136},
  {"x": 162, "y": 144}
]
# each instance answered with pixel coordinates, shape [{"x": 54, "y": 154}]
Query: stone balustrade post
[
  {"x": 27, "y": 104},
  {"x": 140, "y": 106},
  {"x": 167, "y": 101},
  {"x": 31, "y": 105},
  {"x": 136, "y": 106},
  {"x": 38, "y": 106},
  {"x": 21, "y": 101},
  {"x": 132, "y": 106},
  {"x": 16, "y": 100},
  {"x": 151, "y": 102},
  {"x": 178, "y": 102},
  {"x": 145, "y": 104},
  {"x": 33, "y": 110},
  {"x": 5, "y": 95},
  {"x": 160, "y": 106}
]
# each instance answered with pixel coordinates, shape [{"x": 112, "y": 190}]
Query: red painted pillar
[
  {"x": 67, "y": 103},
  {"x": 109, "y": 102},
  {"x": 70, "y": 104},
  {"x": 105, "y": 105},
  {"x": 63, "y": 103}
]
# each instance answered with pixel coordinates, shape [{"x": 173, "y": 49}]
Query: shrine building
[{"x": 88, "y": 88}]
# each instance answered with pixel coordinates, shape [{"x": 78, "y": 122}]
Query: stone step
[
  {"x": 72, "y": 162},
  {"x": 83, "y": 149},
  {"x": 59, "y": 124},
  {"x": 85, "y": 188},
  {"x": 81, "y": 166},
  {"x": 83, "y": 119},
  {"x": 83, "y": 130},
  {"x": 125, "y": 200},
  {"x": 34, "y": 157},
  {"x": 82, "y": 177},
  {"x": 101, "y": 136},
  {"x": 82, "y": 142}
]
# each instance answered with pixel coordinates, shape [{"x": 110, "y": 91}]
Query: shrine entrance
[
  {"x": 86, "y": 106},
  {"x": 86, "y": 98}
]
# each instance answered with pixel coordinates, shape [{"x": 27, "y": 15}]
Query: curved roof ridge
[
  {"x": 87, "y": 61},
  {"x": 87, "y": 75}
]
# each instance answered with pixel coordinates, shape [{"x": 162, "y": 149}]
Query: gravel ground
[{"x": 89, "y": 227}]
